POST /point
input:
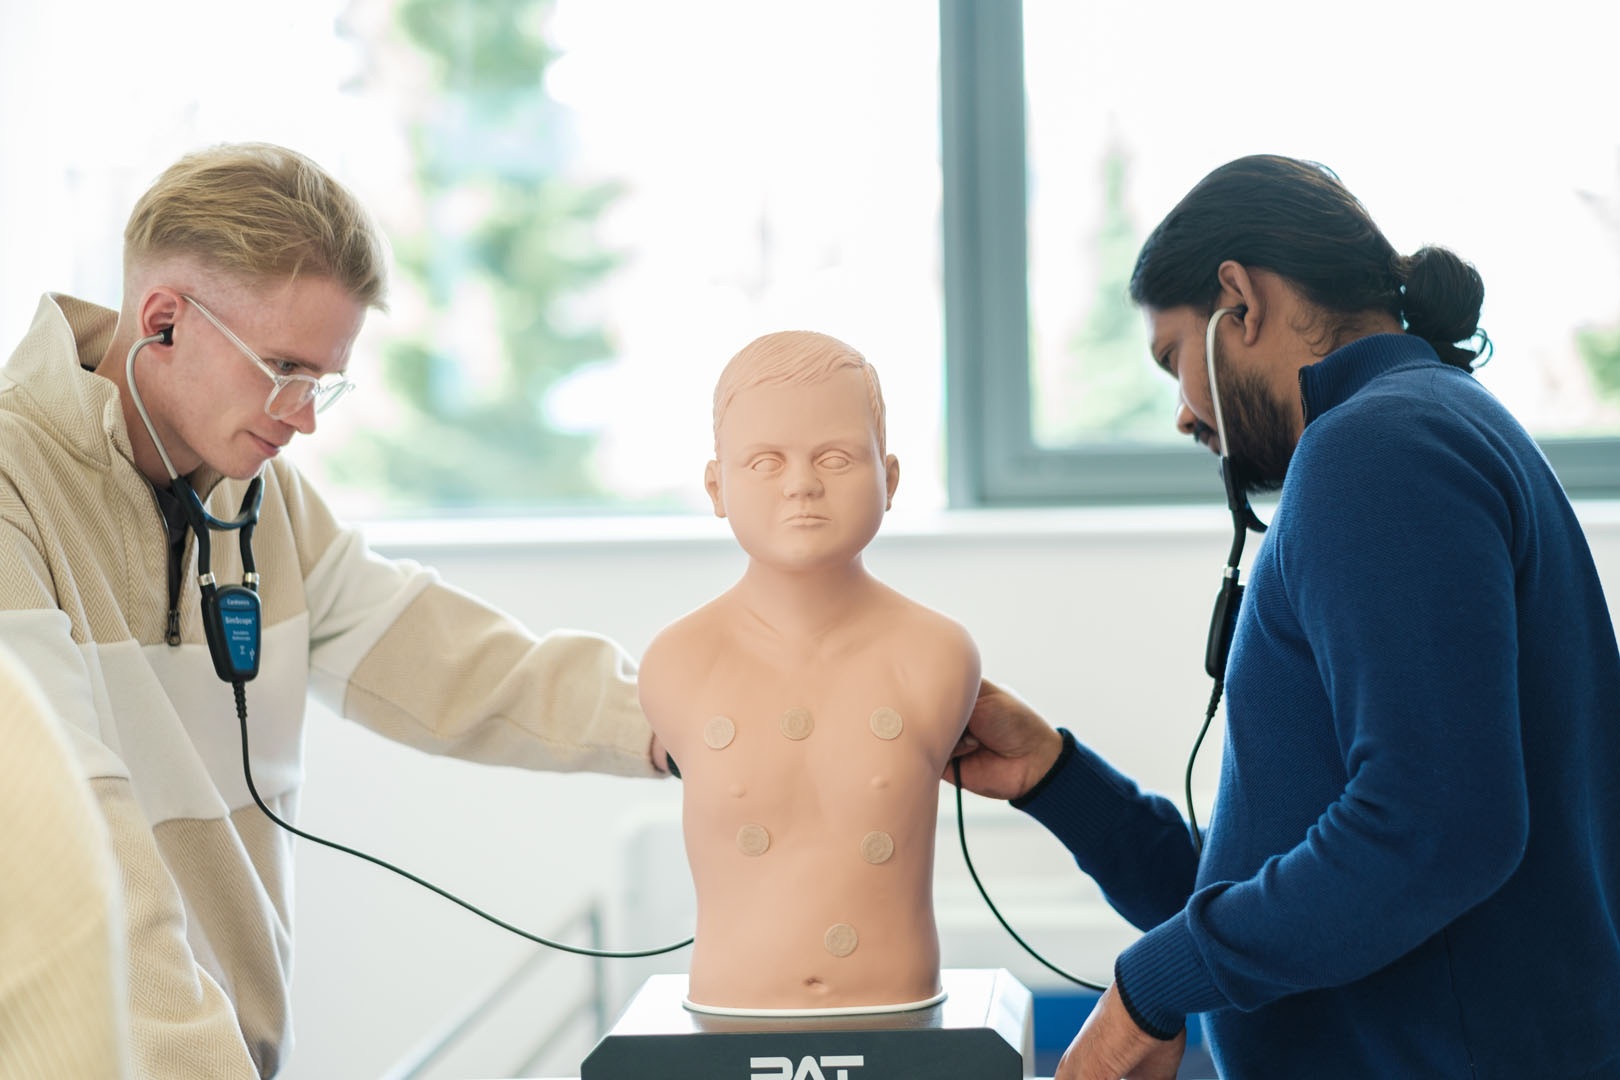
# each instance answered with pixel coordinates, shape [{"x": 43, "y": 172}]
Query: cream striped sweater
[
  {"x": 62, "y": 1011},
  {"x": 83, "y": 600}
]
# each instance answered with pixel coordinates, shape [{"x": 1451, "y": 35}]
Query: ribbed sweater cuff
[
  {"x": 1162, "y": 1034},
  {"x": 1080, "y": 796},
  {"x": 1163, "y": 978},
  {"x": 1057, "y": 768}
]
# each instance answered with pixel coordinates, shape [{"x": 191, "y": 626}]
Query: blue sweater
[{"x": 1413, "y": 864}]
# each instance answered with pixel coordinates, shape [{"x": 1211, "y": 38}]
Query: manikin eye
[
  {"x": 764, "y": 463},
  {"x": 834, "y": 461}
]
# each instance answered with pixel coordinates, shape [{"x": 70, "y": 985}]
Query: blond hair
[
  {"x": 795, "y": 358},
  {"x": 261, "y": 212}
]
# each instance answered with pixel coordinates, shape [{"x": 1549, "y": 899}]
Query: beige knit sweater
[
  {"x": 62, "y": 1013},
  {"x": 83, "y": 600}
]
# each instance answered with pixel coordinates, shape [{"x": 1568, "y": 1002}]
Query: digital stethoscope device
[
  {"x": 231, "y": 614},
  {"x": 1223, "y": 620}
]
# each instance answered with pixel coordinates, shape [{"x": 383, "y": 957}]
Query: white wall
[{"x": 1098, "y": 617}]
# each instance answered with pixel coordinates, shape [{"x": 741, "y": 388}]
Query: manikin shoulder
[
  {"x": 915, "y": 638},
  {"x": 682, "y": 653},
  {"x": 927, "y": 629},
  {"x": 931, "y": 647}
]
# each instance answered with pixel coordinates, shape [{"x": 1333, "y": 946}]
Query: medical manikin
[{"x": 810, "y": 708}]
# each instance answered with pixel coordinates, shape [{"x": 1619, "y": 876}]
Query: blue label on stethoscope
[{"x": 239, "y": 617}]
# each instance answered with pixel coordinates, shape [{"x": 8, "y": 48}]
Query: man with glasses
[
  {"x": 290, "y": 389},
  {"x": 248, "y": 272}
]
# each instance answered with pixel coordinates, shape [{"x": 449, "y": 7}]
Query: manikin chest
[{"x": 843, "y": 741}]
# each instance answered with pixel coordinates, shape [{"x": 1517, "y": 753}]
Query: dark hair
[{"x": 1296, "y": 219}]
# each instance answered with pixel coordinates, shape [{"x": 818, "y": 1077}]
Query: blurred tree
[
  {"x": 1599, "y": 346},
  {"x": 503, "y": 239},
  {"x": 1107, "y": 389}
]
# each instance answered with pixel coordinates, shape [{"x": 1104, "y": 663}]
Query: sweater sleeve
[
  {"x": 423, "y": 663},
  {"x": 1135, "y": 845},
  {"x": 1396, "y": 557},
  {"x": 63, "y": 1007}
]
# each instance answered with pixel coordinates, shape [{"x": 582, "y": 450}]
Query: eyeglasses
[{"x": 291, "y": 392}]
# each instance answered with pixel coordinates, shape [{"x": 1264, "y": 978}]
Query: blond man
[{"x": 248, "y": 272}]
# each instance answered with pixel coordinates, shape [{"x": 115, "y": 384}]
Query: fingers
[{"x": 963, "y": 755}]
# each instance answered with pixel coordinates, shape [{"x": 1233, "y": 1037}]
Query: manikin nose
[{"x": 801, "y": 480}]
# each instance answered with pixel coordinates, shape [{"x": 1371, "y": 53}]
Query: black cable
[
  {"x": 961, "y": 832},
  {"x": 578, "y": 950},
  {"x": 1209, "y": 716}
]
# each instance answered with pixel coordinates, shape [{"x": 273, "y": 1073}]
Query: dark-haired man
[{"x": 1413, "y": 867}]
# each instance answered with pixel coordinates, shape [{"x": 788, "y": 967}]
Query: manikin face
[
  {"x": 207, "y": 398},
  {"x": 798, "y": 474},
  {"x": 1257, "y": 424}
]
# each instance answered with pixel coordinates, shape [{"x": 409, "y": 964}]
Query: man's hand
[
  {"x": 1111, "y": 1047},
  {"x": 1006, "y": 748}
]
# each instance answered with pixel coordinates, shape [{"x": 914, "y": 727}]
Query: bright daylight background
[
  {"x": 594, "y": 203},
  {"x": 1487, "y": 129}
]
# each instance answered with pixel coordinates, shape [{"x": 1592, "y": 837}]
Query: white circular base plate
[{"x": 848, "y": 1010}]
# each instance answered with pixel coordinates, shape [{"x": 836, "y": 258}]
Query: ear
[
  {"x": 1238, "y": 290},
  {"x": 158, "y": 310},
  {"x": 891, "y": 478},
  {"x": 711, "y": 484}
]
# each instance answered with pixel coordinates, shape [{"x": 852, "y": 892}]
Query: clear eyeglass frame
[{"x": 290, "y": 392}]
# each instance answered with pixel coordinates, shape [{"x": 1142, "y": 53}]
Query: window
[
  {"x": 594, "y": 203},
  {"x": 1485, "y": 134}
]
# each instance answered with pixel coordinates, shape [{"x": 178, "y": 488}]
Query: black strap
[{"x": 174, "y": 524}]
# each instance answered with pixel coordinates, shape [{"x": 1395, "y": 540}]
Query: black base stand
[{"x": 983, "y": 1030}]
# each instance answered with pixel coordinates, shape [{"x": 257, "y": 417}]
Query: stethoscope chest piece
[{"x": 231, "y": 619}]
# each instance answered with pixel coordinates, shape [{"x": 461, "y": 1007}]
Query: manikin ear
[
  {"x": 158, "y": 310},
  {"x": 711, "y": 484},
  {"x": 891, "y": 478},
  {"x": 1238, "y": 290}
]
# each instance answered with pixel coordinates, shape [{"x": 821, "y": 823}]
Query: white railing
[{"x": 590, "y": 1003}]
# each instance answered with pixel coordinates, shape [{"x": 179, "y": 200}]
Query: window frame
[{"x": 992, "y": 459}]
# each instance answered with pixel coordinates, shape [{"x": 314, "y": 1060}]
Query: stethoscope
[
  {"x": 232, "y": 624},
  {"x": 1223, "y": 620},
  {"x": 1221, "y": 625},
  {"x": 232, "y": 617}
]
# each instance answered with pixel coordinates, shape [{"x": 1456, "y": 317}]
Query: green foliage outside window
[
  {"x": 1600, "y": 346},
  {"x": 502, "y": 227},
  {"x": 1600, "y": 349},
  {"x": 1107, "y": 389}
]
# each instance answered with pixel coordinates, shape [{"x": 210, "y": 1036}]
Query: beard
[{"x": 1257, "y": 427}]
